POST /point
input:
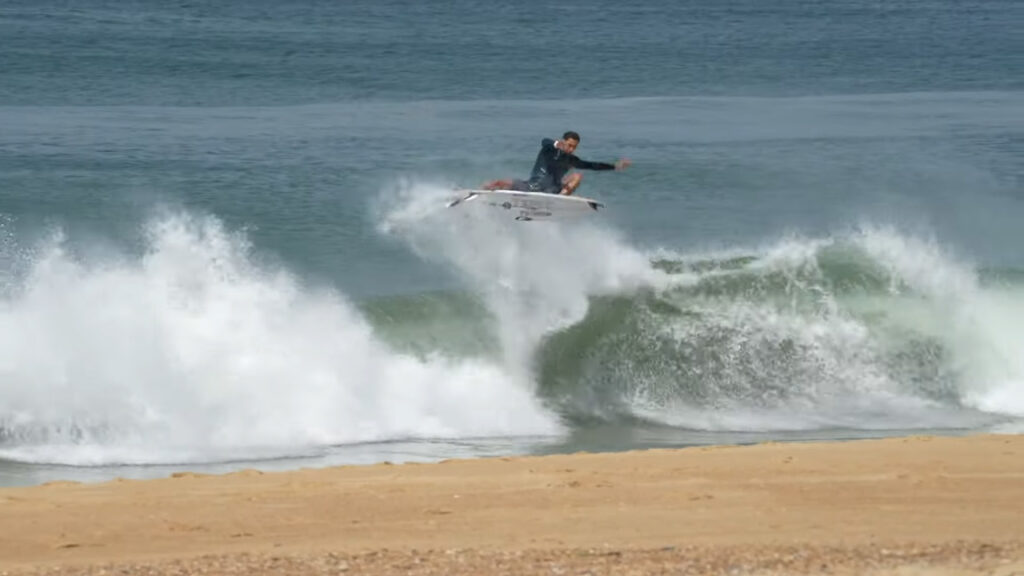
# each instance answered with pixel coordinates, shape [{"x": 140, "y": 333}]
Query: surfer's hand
[{"x": 622, "y": 164}]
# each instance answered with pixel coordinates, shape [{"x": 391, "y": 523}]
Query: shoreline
[{"x": 953, "y": 504}]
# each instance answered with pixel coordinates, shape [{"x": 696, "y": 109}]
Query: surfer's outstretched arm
[{"x": 576, "y": 162}]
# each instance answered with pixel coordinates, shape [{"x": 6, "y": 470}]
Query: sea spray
[{"x": 536, "y": 278}]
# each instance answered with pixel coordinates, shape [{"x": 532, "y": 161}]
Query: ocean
[{"x": 223, "y": 241}]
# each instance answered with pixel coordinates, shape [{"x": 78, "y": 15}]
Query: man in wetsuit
[{"x": 551, "y": 170}]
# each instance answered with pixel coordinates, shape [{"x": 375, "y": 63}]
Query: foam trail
[
  {"x": 535, "y": 277},
  {"x": 192, "y": 352}
]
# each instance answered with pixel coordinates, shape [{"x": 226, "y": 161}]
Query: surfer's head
[{"x": 570, "y": 140}]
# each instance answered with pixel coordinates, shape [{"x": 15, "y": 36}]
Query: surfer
[{"x": 551, "y": 170}]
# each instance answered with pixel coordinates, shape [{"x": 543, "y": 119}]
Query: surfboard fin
[{"x": 457, "y": 201}]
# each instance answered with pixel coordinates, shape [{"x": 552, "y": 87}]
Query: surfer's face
[{"x": 569, "y": 145}]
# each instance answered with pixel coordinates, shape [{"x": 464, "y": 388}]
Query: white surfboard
[{"x": 527, "y": 206}]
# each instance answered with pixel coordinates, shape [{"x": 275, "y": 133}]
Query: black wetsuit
[{"x": 551, "y": 166}]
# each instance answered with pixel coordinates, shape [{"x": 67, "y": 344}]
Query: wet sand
[{"x": 919, "y": 505}]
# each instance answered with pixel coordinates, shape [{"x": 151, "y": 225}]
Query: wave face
[
  {"x": 866, "y": 330},
  {"x": 194, "y": 351}
]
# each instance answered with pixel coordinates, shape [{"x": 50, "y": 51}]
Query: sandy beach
[{"x": 918, "y": 505}]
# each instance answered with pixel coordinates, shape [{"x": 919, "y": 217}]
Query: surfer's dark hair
[{"x": 570, "y": 135}]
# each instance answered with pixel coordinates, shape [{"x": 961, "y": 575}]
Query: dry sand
[{"x": 919, "y": 505}]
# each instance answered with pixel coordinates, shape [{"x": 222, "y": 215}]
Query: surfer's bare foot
[{"x": 498, "y": 185}]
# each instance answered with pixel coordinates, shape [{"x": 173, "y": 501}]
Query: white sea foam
[{"x": 193, "y": 352}]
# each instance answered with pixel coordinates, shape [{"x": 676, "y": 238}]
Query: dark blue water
[
  {"x": 274, "y": 53},
  {"x": 220, "y": 238}
]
